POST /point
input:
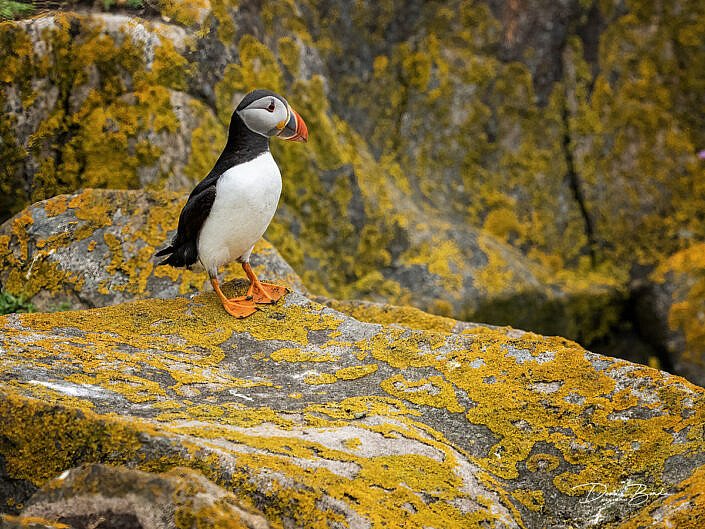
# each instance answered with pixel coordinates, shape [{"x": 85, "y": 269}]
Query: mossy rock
[
  {"x": 318, "y": 419},
  {"x": 96, "y": 247}
]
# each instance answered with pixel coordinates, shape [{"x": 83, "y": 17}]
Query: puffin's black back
[{"x": 243, "y": 145}]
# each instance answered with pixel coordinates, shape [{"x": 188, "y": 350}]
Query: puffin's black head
[{"x": 268, "y": 114}]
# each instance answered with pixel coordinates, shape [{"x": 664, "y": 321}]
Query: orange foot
[
  {"x": 262, "y": 292},
  {"x": 238, "y": 307}
]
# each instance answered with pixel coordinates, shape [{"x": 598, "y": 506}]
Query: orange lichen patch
[
  {"x": 354, "y": 372},
  {"x": 353, "y": 443},
  {"x": 542, "y": 463},
  {"x": 494, "y": 277},
  {"x": 686, "y": 271},
  {"x": 531, "y": 499},
  {"x": 167, "y": 405},
  {"x": 431, "y": 391},
  {"x": 76, "y": 435},
  {"x": 30, "y": 522},
  {"x": 386, "y": 314},
  {"x": 55, "y": 206},
  {"x": 442, "y": 258},
  {"x": 320, "y": 378},
  {"x": 297, "y": 355},
  {"x": 41, "y": 275}
]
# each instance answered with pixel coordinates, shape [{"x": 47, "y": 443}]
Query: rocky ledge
[
  {"x": 96, "y": 247},
  {"x": 302, "y": 416}
]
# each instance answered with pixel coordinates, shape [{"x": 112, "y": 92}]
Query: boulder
[
  {"x": 98, "y": 101},
  {"x": 318, "y": 419},
  {"x": 96, "y": 247},
  {"x": 672, "y": 310},
  {"x": 105, "y": 497}
]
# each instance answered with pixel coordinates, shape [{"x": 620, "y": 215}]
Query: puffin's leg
[
  {"x": 238, "y": 308},
  {"x": 262, "y": 292}
]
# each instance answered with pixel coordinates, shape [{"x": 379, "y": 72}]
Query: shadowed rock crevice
[{"x": 576, "y": 186}]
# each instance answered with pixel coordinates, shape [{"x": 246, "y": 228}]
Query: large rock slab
[
  {"x": 320, "y": 420},
  {"x": 96, "y": 247}
]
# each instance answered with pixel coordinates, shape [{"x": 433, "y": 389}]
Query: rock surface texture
[
  {"x": 317, "y": 419},
  {"x": 102, "y": 497}
]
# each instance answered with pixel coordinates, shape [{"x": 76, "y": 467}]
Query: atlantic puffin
[{"x": 230, "y": 209}]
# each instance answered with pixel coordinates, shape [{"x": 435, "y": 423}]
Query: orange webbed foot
[
  {"x": 262, "y": 292},
  {"x": 238, "y": 307},
  {"x": 267, "y": 292}
]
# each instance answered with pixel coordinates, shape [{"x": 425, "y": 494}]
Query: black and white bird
[{"x": 230, "y": 209}]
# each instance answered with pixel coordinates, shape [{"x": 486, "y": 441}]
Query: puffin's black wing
[{"x": 183, "y": 249}]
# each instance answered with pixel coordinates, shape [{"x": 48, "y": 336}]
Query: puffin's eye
[{"x": 270, "y": 108}]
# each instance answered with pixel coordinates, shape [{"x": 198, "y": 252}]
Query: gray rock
[{"x": 105, "y": 497}]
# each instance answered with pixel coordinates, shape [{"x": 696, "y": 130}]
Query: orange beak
[{"x": 295, "y": 129}]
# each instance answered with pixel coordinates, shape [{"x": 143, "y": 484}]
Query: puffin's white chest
[{"x": 245, "y": 201}]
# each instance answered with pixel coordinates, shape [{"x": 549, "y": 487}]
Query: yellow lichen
[{"x": 354, "y": 372}]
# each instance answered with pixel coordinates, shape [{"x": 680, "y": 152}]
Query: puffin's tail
[{"x": 182, "y": 255}]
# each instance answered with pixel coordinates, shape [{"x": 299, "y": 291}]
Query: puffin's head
[{"x": 268, "y": 114}]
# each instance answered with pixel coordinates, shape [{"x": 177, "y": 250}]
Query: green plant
[
  {"x": 9, "y": 9},
  {"x": 61, "y": 307},
  {"x": 10, "y": 303},
  {"x": 107, "y": 4}
]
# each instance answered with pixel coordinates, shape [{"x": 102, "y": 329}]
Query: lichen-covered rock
[
  {"x": 471, "y": 158},
  {"x": 96, "y": 247},
  {"x": 320, "y": 420},
  {"x": 113, "y": 497},
  {"x": 409, "y": 317},
  {"x": 677, "y": 296},
  {"x": 29, "y": 522},
  {"x": 96, "y": 101}
]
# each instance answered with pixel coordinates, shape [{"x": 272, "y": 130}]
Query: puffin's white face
[
  {"x": 264, "y": 115},
  {"x": 270, "y": 115}
]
